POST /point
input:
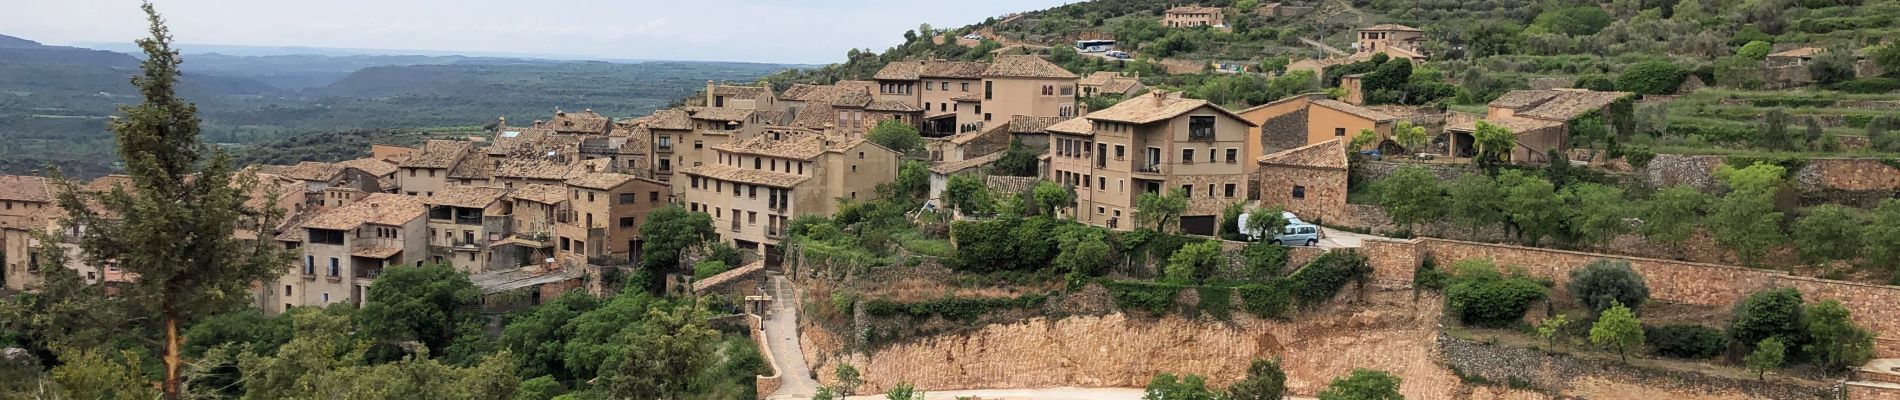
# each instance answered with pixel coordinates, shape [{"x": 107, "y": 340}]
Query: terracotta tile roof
[
  {"x": 1518, "y": 99},
  {"x": 472, "y": 168},
  {"x": 1098, "y": 78},
  {"x": 376, "y": 252},
  {"x": 951, "y": 167},
  {"x": 106, "y": 183},
  {"x": 954, "y": 69},
  {"x": 540, "y": 193},
  {"x": 638, "y": 142},
  {"x": 990, "y": 129},
  {"x": 1357, "y": 111},
  {"x": 967, "y": 98},
  {"x": 1329, "y": 154},
  {"x": 437, "y": 154},
  {"x": 1032, "y": 124},
  {"x": 600, "y": 180},
  {"x": 1513, "y": 123},
  {"x": 260, "y": 195},
  {"x": 537, "y": 169},
  {"x": 378, "y": 208},
  {"x": 740, "y": 91},
  {"x": 1568, "y": 104},
  {"x": 670, "y": 119},
  {"x": 797, "y": 92},
  {"x": 292, "y": 228},
  {"x": 1392, "y": 27},
  {"x": 371, "y": 165},
  {"x": 1194, "y": 9},
  {"x": 892, "y": 106},
  {"x": 1144, "y": 109},
  {"x": 723, "y": 114},
  {"x": 899, "y": 71},
  {"x": 793, "y": 144},
  {"x": 752, "y": 176},
  {"x": 771, "y": 117},
  {"x": 1021, "y": 66},
  {"x": 1122, "y": 85},
  {"x": 1802, "y": 52},
  {"x": 815, "y": 116},
  {"x": 466, "y": 196},
  {"x": 310, "y": 171},
  {"x": 586, "y": 121},
  {"x": 1074, "y": 126},
  {"x": 511, "y": 140}
]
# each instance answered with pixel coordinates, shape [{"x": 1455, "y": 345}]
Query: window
[
  {"x": 1210, "y": 190},
  {"x": 1120, "y": 152},
  {"x": 699, "y": 144},
  {"x": 926, "y": 86},
  {"x": 1200, "y": 128},
  {"x": 988, "y": 93},
  {"x": 1187, "y": 191},
  {"x": 653, "y": 196},
  {"x": 1187, "y": 156},
  {"x": 695, "y": 182},
  {"x": 945, "y": 85},
  {"x": 1229, "y": 189},
  {"x": 756, "y": 164},
  {"x": 1068, "y": 90},
  {"x": 1299, "y": 192},
  {"x": 966, "y": 86},
  {"x": 309, "y": 268},
  {"x": 286, "y": 290},
  {"x": 1339, "y": 132},
  {"x": 627, "y": 222},
  {"x": 1048, "y": 90},
  {"x": 626, "y": 198},
  {"x": 590, "y": 196},
  {"x": 334, "y": 267},
  {"x": 566, "y": 244},
  {"x": 326, "y": 297},
  {"x": 1233, "y": 156},
  {"x": 752, "y": 217},
  {"x": 752, "y": 192}
]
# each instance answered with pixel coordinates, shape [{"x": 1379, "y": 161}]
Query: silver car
[{"x": 1300, "y": 234}]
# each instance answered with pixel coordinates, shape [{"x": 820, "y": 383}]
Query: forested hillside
[{"x": 54, "y": 100}]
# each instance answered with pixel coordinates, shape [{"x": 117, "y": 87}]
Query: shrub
[
  {"x": 1686, "y": 341},
  {"x": 1837, "y": 343},
  {"x": 1875, "y": 84},
  {"x": 1638, "y": 156},
  {"x": 1216, "y": 301},
  {"x": 956, "y": 308},
  {"x": 1604, "y": 282},
  {"x": 1652, "y": 77},
  {"x": 1595, "y": 82},
  {"x": 1264, "y": 260},
  {"x": 1154, "y": 297},
  {"x": 1270, "y": 300},
  {"x": 1322, "y": 278},
  {"x": 1194, "y": 262},
  {"x": 1480, "y": 296},
  {"x": 1768, "y": 314},
  {"x": 708, "y": 268}
]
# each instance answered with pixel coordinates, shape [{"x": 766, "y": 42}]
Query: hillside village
[{"x": 1011, "y": 206}]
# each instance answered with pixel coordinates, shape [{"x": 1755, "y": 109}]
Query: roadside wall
[
  {"x": 766, "y": 384},
  {"x": 1671, "y": 281},
  {"x": 1608, "y": 379}
]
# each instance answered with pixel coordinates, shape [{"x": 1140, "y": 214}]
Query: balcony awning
[{"x": 377, "y": 252}]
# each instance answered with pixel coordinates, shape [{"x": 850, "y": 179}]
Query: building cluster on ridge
[{"x": 554, "y": 202}]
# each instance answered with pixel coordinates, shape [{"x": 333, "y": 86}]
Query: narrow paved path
[
  {"x": 781, "y": 332},
  {"x": 1324, "y": 47}
]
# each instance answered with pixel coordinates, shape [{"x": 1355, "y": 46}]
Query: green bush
[
  {"x": 955, "y": 308},
  {"x": 1320, "y": 279},
  {"x": 1216, "y": 301},
  {"x": 1686, "y": 341},
  {"x": 1480, "y": 295},
  {"x": 1154, "y": 297},
  {"x": 1877, "y": 84},
  {"x": 1652, "y": 77},
  {"x": 1264, "y": 260},
  {"x": 1766, "y": 314},
  {"x": 1270, "y": 300},
  {"x": 1604, "y": 282}
]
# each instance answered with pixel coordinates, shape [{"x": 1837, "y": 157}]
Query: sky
[{"x": 776, "y": 31}]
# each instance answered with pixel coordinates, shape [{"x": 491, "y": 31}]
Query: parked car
[
  {"x": 1117, "y": 54},
  {"x": 1302, "y": 234},
  {"x": 973, "y": 36}
]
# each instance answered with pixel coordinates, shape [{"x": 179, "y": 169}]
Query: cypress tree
[{"x": 172, "y": 229}]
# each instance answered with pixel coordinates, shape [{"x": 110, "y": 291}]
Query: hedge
[
  {"x": 1322, "y": 278},
  {"x": 1686, "y": 341},
  {"x": 956, "y": 308},
  {"x": 1154, "y": 297},
  {"x": 1216, "y": 301},
  {"x": 1270, "y": 300}
]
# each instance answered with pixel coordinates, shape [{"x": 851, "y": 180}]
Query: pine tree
[{"x": 172, "y": 228}]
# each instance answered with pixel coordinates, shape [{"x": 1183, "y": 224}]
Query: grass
[{"x": 916, "y": 243}]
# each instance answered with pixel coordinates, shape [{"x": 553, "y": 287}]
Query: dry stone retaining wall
[
  {"x": 1670, "y": 281},
  {"x": 1588, "y": 378}
]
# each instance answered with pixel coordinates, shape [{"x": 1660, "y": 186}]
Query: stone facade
[
  {"x": 1600, "y": 379},
  {"x": 1322, "y": 191},
  {"x": 1669, "y": 281},
  {"x": 1283, "y": 132}
]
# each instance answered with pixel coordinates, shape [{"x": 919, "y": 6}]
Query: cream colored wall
[
  {"x": 417, "y": 181},
  {"x": 1117, "y": 196},
  {"x": 936, "y": 97},
  {"x": 1023, "y": 96},
  {"x": 1321, "y": 121}
]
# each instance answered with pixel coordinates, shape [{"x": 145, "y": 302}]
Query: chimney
[
  {"x": 1160, "y": 98},
  {"x": 709, "y": 93}
]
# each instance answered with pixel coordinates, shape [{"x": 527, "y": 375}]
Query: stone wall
[
  {"x": 1872, "y": 391},
  {"x": 766, "y": 384},
  {"x": 1373, "y": 170},
  {"x": 1603, "y": 379},
  {"x": 1283, "y": 132},
  {"x": 1852, "y": 181},
  {"x": 1323, "y": 190},
  {"x": 1670, "y": 281},
  {"x": 1387, "y": 331}
]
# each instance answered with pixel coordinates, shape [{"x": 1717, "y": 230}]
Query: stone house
[
  {"x": 934, "y": 87},
  {"x": 754, "y": 187},
  {"x": 1149, "y": 144},
  {"x": 28, "y": 208},
  {"x": 1193, "y": 16},
  {"x": 344, "y": 249},
  {"x": 600, "y": 222},
  {"x": 1105, "y": 83},
  {"x": 1311, "y": 119},
  {"x": 667, "y": 128},
  {"x": 530, "y": 237},
  {"x": 1026, "y": 86},
  {"x": 1309, "y": 181},
  {"x": 740, "y": 97},
  {"x": 1397, "y": 41},
  {"x": 1539, "y": 118},
  {"x": 463, "y": 221},
  {"x": 426, "y": 171}
]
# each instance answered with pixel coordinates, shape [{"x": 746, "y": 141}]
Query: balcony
[
  {"x": 465, "y": 245},
  {"x": 367, "y": 273},
  {"x": 1151, "y": 168}
]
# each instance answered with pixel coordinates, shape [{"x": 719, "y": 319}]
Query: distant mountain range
[{"x": 54, "y": 100}]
